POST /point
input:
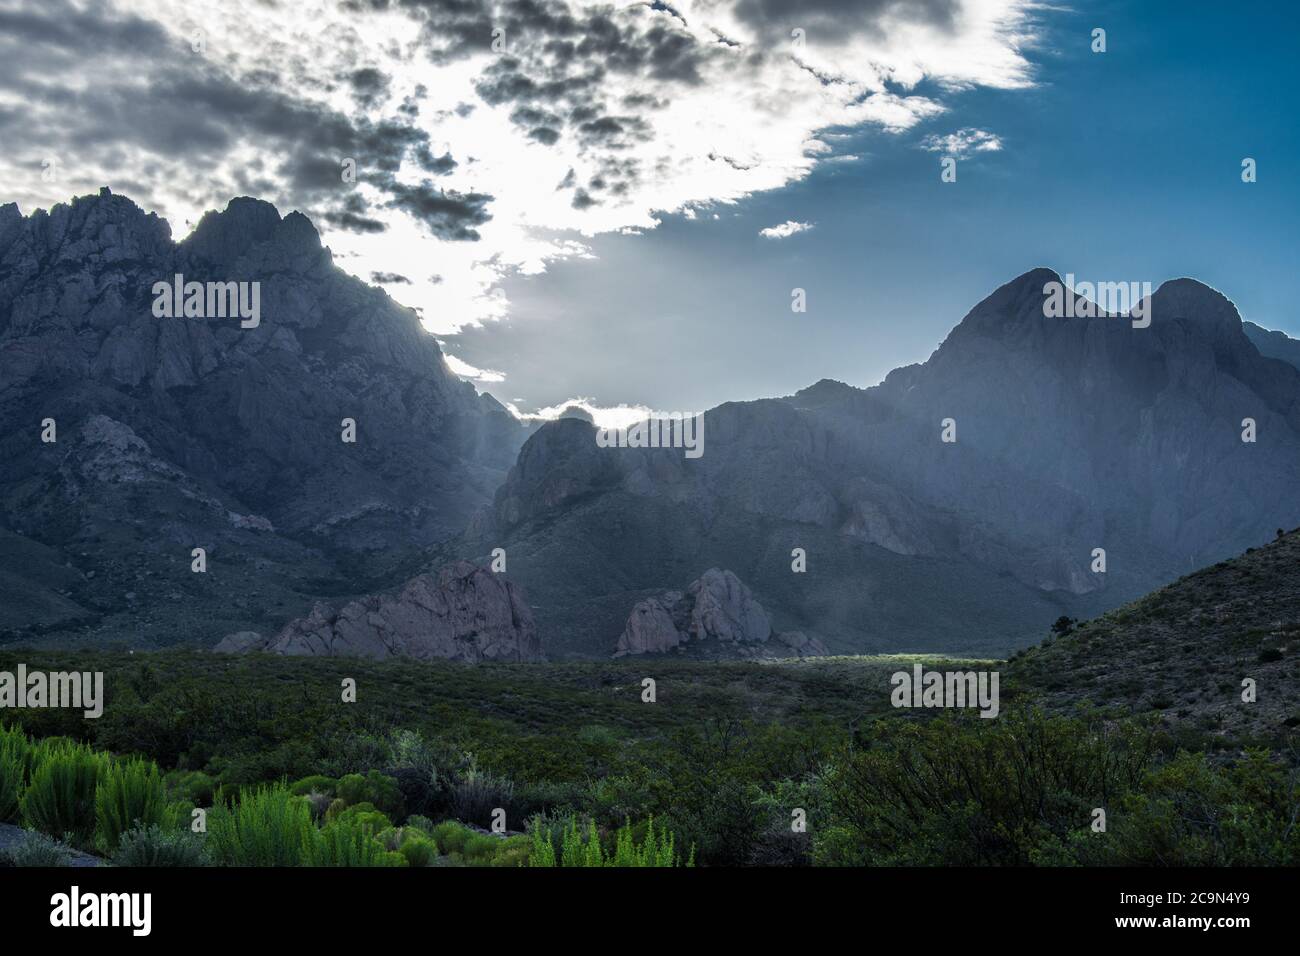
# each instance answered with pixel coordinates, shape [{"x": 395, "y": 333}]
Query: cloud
[
  {"x": 785, "y": 230},
  {"x": 637, "y": 110},
  {"x": 962, "y": 143},
  {"x": 465, "y": 370}
]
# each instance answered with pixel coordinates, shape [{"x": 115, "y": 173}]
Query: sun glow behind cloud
[{"x": 475, "y": 165}]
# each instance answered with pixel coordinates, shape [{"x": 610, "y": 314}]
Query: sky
[{"x": 614, "y": 203}]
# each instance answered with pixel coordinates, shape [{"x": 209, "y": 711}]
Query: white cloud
[
  {"x": 962, "y": 143},
  {"x": 465, "y": 370},
  {"x": 785, "y": 230}
]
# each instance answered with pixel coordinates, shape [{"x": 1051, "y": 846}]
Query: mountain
[
  {"x": 1186, "y": 649},
  {"x": 1276, "y": 345},
  {"x": 1071, "y": 434},
  {"x": 221, "y": 433}
]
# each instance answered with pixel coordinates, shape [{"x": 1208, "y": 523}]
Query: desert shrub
[
  {"x": 268, "y": 826},
  {"x": 191, "y": 787},
  {"x": 451, "y": 836},
  {"x": 348, "y": 842},
  {"x": 513, "y": 851},
  {"x": 359, "y": 814},
  {"x": 1189, "y": 812},
  {"x": 476, "y": 793},
  {"x": 154, "y": 846},
  {"x": 579, "y": 845},
  {"x": 480, "y": 848},
  {"x": 129, "y": 794},
  {"x": 417, "y": 847},
  {"x": 16, "y": 754},
  {"x": 967, "y": 792},
  {"x": 317, "y": 783},
  {"x": 423, "y": 824},
  {"x": 37, "y": 849},
  {"x": 374, "y": 788},
  {"x": 60, "y": 799},
  {"x": 778, "y": 843}
]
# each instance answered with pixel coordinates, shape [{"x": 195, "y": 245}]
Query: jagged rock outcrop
[
  {"x": 464, "y": 613},
  {"x": 177, "y": 433},
  {"x": 716, "y": 609}
]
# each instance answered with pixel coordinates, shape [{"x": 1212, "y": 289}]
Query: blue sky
[{"x": 1121, "y": 166}]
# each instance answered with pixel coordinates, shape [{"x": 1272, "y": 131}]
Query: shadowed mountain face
[
  {"x": 1072, "y": 434},
  {"x": 179, "y": 433}
]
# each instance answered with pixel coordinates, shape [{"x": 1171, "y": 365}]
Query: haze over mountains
[{"x": 1071, "y": 434}]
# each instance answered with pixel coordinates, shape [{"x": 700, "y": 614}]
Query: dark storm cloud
[
  {"x": 446, "y": 213},
  {"x": 370, "y": 86},
  {"x": 544, "y": 135},
  {"x": 152, "y": 96}
]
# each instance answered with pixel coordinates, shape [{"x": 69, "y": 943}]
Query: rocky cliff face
[
  {"x": 718, "y": 611},
  {"x": 464, "y": 613},
  {"x": 1071, "y": 435},
  {"x": 177, "y": 433}
]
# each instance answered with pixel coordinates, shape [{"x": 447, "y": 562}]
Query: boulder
[{"x": 464, "y": 612}]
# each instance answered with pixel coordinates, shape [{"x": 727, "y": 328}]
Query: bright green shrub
[
  {"x": 265, "y": 827},
  {"x": 155, "y": 846},
  {"x": 129, "y": 794},
  {"x": 16, "y": 754},
  {"x": 360, "y": 814},
  {"x": 639, "y": 846},
  {"x": 418, "y": 849},
  {"x": 513, "y": 851},
  {"x": 60, "y": 800},
  {"x": 376, "y": 789},
  {"x": 451, "y": 836},
  {"x": 347, "y": 842}
]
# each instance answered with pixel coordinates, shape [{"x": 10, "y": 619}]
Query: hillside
[{"x": 1185, "y": 649}]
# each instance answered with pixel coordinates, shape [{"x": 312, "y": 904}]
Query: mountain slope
[
  {"x": 177, "y": 433},
  {"x": 1071, "y": 435},
  {"x": 1186, "y": 649}
]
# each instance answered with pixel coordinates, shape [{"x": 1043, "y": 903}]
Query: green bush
[
  {"x": 960, "y": 791},
  {"x": 418, "y": 848},
  {"x": 347, "y": 842},
  {"x": 579, "y": 846},
  {"x": 129, "y": 794},
  {"x": 451, "y": 836},
  {"x": 477, "y": 793},
  {"x": 317, "y": 783},
  {"x": 376, "y": 789},
  {"x": 154, "y": 846},
  {"x": 265, "y": 827},
  {"x": 36, "y": 849},
  {"x": 360, "y": 814},
  {"x": 16, "y": 753},
  {"x": 194, "y": 788},
  {"x": 60, "y": 800}
]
